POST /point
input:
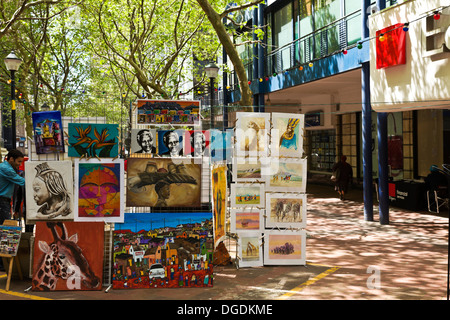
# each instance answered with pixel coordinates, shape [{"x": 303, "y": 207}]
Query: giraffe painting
[{"x": 68, "y": 256}]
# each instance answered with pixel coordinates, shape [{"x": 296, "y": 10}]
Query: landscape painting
[
  {"x": 96, "y": 140},
  {"x": 286, "y": 210},
  {"x": 249, "y": 169},
  {"x": 252, "y": 133},
  {"x": 284, "y": 247},
  {"x": 68, "y": 256},
  {"x": 250, "y": 250},
  {"x": 174, "y": 112},
  {"x": 163, "y": 182},
  {"x": 244, "y": 219},
  {"x": 48, "y": 132},
  {"x": 163, "y": 250},
  {"x": 287, "y": 134},
  {"x": 247, "y": 195},
  {"x": 286, "y": 175}
]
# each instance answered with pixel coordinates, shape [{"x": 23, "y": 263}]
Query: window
[{"x": 322, "y": 150}]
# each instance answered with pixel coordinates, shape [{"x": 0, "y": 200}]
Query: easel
[{"x": 11, "y": 258}]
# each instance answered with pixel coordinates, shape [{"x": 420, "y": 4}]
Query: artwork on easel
[
  {"x": 96, "y": 140},
  {"x": 246, "y": 219},
  {"x": 284, "y": 247},
  {"x": 252, "y": 133},
  {"x": 287, "y": 134},
  {"x": 250, "y": 250},
  {"x": 49, "y": 190},
  {"x": 286, "y": 175},
  {"x": 247, "y": 195},
  {"x": 99, "y": 190},
  {"x": 48, "y": 132},
  {"x": 68, "y": 256},
  {"x": 9, "y": 239},
  {"x": 285, "y": 210}
]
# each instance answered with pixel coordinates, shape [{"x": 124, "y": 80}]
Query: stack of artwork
[{"x": 268, "y": 200}]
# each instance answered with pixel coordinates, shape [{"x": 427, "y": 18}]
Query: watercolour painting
[
  {"x": 48, "y": 132},
  {"x": 68, "y": 256},
  {"x": 246, "y": 219},
  {"x": 96, "y": 140},
  {"x": 163, "y": 250},
  {"x": 49, "y": 190},
  {"x": 249, "y": 169},
  {"x": 284, "y": 247},
  {"x": 286, "y": 175},
  {"x": 287, "y": 134},
  {"x": 247, "y": 195},
  {"x": 252, "y": 134},
  {"x": 250, "y": 250},
  {"x": 219, "y": 196},
  {"x": 286, "y": 210}
]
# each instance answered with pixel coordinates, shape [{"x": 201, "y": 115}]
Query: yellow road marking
[
  {"x": 23, "y": 295},
  {"x": 307, "y": 283}
]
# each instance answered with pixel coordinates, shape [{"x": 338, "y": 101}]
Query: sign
[
  {"x": 392, "y": 50},
  {"x": 313, "y": 119}
]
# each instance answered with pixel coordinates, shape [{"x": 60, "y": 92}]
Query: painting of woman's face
[{"x": 40, "y": 191}]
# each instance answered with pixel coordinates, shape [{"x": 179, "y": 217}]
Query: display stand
[{"x": 11, "y": 258}]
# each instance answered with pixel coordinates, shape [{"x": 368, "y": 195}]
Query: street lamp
[
  {"x": 13, "y": 63},
  {"x": 212, "y": 72}
]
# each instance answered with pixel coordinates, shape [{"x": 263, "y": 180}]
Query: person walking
[{"x": 344, "y": 175}]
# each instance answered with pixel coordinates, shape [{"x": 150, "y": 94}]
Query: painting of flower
[{"x": 93, "y": 140}]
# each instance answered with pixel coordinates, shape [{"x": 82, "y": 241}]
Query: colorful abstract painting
[
  {"x": 286, "y": 175},
  {"x": 246, "y": 219},
  {"x": 174, "y": 112},
  {"x": 284, "y": 247},
  {"x": 93, "y": 140},
  {"x": 163, "y": 182},
  {"x": 287, "y": 134},
  {"x": 99, "y": 190},
  {"x": 286, "y": 210},
  {"x": 252, "y": 133},
  {"x": 68, "y": 256},
  {"x": 219, "y": 195},
  {"x": 48, "y": 132},
  {"x": 163, "y": 250},
  {"x": 49, "y": 190},
  {"x": 250, "y": 250}
]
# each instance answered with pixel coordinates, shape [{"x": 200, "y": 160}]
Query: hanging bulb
[
  {"x": 344, "y": 51},
  {"x": 260, "y": 79},
  {"x": 406, "y": 26},
  {"x": 249, "y": 82},
  {"x": 381, "y": 37},
  {"x": 274, "y": 74},
  {"x": 310, "y": 64},
  {"x": 359, "y": 45},
  {"x": 436, "y": 15},
  {"x": 300, "y": 68}
]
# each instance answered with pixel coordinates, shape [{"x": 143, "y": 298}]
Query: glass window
[
  {"x": 322, "y": 150},
  {"x": 326, "y": 12},
  {"x": 353, "y": 21},
  {"x": 283, "y": 33}
]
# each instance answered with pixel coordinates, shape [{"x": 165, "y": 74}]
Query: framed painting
[
  {"x": 284, "y": 247},
  {"x": 247, "y": 195},
  {"x": 147, "y": 256},
  {"x": 163, "y": 112},
  {"x": 99, "y": 190},
  {"x": 49, "y": 190},
  {"x": 197, "y": 143},
  {"x": 170, "y": 143},
  {"x": 219, "y": 196},
  {"x": 246, "y": 220},
  {"x": 250, "y": 249},
  {"x": 286, "y": 210},
  {"x": 252, "y": 134},
  {"x": 93, "y": 140},
  {"x": 163, "y": 182},
  {"x": 48, "y": 132},
  {"x": 143, "y": 142},
  {"x": 286, "y": 175},
  {"x": 221, "y": 145},
  {"x": 249, "y": 169},
  {"x": 287, "y": 134},
  {"x": 68, "y": 256}
]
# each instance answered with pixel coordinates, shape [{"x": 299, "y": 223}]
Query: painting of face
[
  {"x": 99, "y": 190},
  {"x": 252, "y": 131},
  {"x": 170, "y": 143},
  {"x": 143, "y": 141},
  {"x": 287, "y": 134}
]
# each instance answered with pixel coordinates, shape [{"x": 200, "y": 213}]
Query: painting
[
  {"x": 49, "y": 190},
  {"x": 93, "y": 140},
  {"x": 219, "y": 196},
  {"x": 143, "y": 142},
  {"x": 221, "y": 145},
  {"x": 252, "y": 133},
  {"x": 163, "y": 250},
  {"x": 9, "y": 239},
  {"x": 247, "y": 195},
  {"x": 197, "y": 143},
  {"x": 249, "y": 169},
  {"x": 284, "y": 247},
  {"x": 246, "y": 219},
  {"x": 173, "y": 112},
  {"x": 287, "y": 134},
  {"x": 68, "y": 256},
  {"x": 99, "y": 190},
  {"x": 163, "y": 182},
  {"x": 250, "y": 250},
  {"x": 286, "y": 210},
  {"x": 286, "y": 175},
  {"x": 170, "y": 143},
  {"x": 48, "y": 132}
]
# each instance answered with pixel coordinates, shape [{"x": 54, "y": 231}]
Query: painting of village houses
[{"x": 163, "y": 250}]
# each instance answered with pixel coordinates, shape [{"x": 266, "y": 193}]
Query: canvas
[
  {"x": 163, "y": 182},
  {"x": 48, "y": 132},
  {"x": 163, "y": 250},
  {"x": 249, "y": 169},
  {"x": 287, "y": 175},
  {"x": 247, "y": 195},
  {"x": 252, "y": 133},
  {"x": 286, "y": 210},
  {"x": 284, "y": 247},
  {"x": 197, "y": 143},
  {"x": 68, "y": 256},
  {"x": 143, "y": 142},
  {"x": 287, "y": 134},
  {"x": 49, "y": 190},
  {"x": 246, "y": 219},
  {"x": 250, "y": 249},
  {"x": 9, "y": 239},
  {"x": 221, "y": 145},
  {"x": 93, "y": 140},
  {"x": 170, "y": 143},
  {"x": 99, "y": 190},
  {"x": 173, "y": 112},
  {"x": 219, "y": 196}
]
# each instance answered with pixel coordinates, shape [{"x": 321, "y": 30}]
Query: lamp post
[
  {"x": 211, "y": 71},
  {"x": 13, "y": 63}
]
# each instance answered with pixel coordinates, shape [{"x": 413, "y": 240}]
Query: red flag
[{"x": 391, "y": 51}]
